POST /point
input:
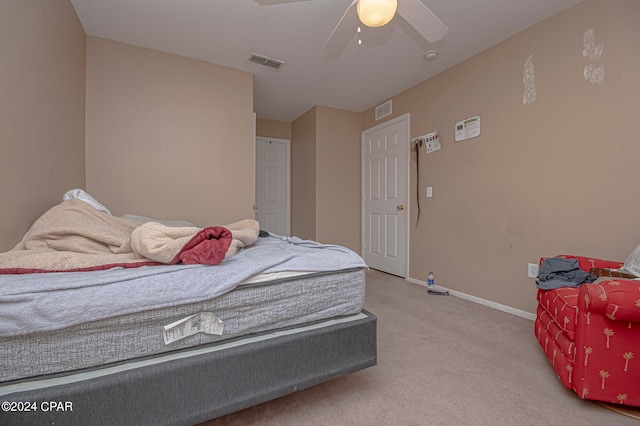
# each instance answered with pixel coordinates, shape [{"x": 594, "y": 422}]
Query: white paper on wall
[
  {"x": 529, "y": 81},
  {"x": 468, "y": 128},
  {"x": 591, "y": 50},
  {"x": 433, "y": 142},
  {"x": 593, "y": 72}
]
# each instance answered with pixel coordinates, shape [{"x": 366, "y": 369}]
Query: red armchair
[{"x": 591, "y": 335}]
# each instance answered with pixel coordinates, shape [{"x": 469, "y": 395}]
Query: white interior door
[
  {"x": 272, "y": 185},
  {"x": 385, "y": 209}
]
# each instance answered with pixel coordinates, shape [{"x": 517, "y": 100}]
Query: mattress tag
[{"x": 202, "y": 322}]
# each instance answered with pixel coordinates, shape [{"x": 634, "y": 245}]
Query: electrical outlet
[
  {"x": 533, "y": 270},
  {"x": 429, "y": 191}
]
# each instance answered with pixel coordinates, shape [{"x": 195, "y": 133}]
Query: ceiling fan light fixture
[{"x": 376, "y": 13}]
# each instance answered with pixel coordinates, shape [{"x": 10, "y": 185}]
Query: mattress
[
  {"x": 33, "y": 303},
  {"x": 248, "y": 309}
]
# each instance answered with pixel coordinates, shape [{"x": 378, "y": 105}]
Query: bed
[{"x": 181, "y": 344}]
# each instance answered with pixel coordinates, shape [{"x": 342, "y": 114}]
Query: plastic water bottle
[{"x": 431, "y": 281}]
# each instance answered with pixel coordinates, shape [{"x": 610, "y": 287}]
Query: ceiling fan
[{"x": 376, "y": 13}]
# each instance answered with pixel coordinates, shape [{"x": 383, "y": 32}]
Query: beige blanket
[{"x": 73, "y": 236}]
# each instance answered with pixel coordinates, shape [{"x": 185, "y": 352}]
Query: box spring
[{"x": 197, "y": 384}]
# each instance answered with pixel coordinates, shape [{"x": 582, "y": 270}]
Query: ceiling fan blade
[
  {"x": 422, "y": 19},
  {"x": 344, "y": 28}
]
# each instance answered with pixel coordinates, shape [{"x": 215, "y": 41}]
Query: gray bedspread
[{"x": 42, "y": 302}]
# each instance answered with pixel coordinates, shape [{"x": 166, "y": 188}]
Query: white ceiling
[{"x": 355, "y": 78}]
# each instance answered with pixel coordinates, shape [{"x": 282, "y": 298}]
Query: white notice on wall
[
  {"x": 468, "y": 128},
  {"x": 433, "y": 142}
]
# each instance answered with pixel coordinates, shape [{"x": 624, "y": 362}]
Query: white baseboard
[{"x": 494, "y": 305}]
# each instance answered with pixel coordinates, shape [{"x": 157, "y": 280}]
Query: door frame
[
  {"x": 406, "y": 120},
  {"x": 287, "y": 143}
]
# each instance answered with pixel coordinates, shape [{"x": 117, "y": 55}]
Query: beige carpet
[{"x": 441, "y": 361}]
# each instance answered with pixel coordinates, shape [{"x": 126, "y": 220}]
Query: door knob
[{"x": 400, "y": 207}]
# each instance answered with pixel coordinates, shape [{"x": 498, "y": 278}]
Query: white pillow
[
  {"x": 81, "y": 195},
  {"x": 632, "y": 264}
]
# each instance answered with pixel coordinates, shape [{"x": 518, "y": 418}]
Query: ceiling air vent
[
  {"x": 276, "y": 64},
  {"x": 383, "y": 110}
]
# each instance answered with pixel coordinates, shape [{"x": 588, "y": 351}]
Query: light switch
[{"x": 429, "y": 192}]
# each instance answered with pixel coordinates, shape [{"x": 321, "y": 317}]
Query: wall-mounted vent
[
  {"x": 383, "y": 110},
  {"x": 276, "y": 64}
]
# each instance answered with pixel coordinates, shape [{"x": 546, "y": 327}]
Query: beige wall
[
  {"x": 556, "y": 176},
  {"x": 273, "y": 129},
  {"x": 303, "y": 176},
  {"x": 42, "y": 95},
  {"x": 338, "y": 177},
  {"x": 168, "y": 137},
  {"x": 325, "y": 176}
]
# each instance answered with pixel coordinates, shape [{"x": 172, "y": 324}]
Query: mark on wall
[
  {"x": 529, "y": 81},
  {"x": 593, "y": 72}
]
